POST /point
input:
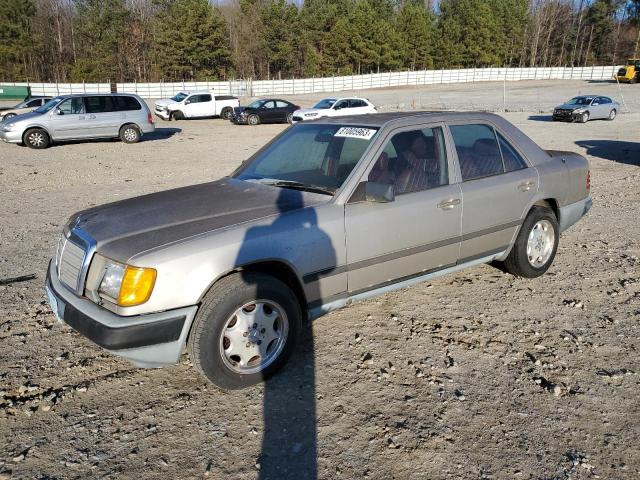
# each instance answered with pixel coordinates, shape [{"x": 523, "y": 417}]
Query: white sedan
[{"x": 335, "y": 107}]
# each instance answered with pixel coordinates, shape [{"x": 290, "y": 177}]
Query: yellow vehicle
[{"x": 630, "y": 73}]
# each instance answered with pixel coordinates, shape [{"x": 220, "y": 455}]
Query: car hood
[
  {"x": 304, "y": 111},
  {"x": 165, "y": 102},
  {"x": 25, "y": 116},
  {"x": 566, "y": 106},
  {"x": 129, "y": 227}
]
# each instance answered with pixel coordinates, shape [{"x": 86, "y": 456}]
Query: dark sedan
[{"x": 266, "y": 110}]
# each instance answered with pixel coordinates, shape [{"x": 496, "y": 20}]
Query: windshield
[
  {"x": 325, "y": 103},
  {"x": 179, "y": 97},
  {"x": 21, "y": 104},
  {"x": 49, "y": 105},
  {"x": 256, "y": 104},
  {"x": 318, "y": 156},
  {"x": 580, "y": 101}
]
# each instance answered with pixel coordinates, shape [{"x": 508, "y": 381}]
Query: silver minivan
[{"x": 77, "y": 117}]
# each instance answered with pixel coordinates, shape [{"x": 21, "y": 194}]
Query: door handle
[
  {"x": 449, "y": 203},
  {"x": 81, "y": 117},
  {"x": 526, "y": 186},
  {"x": 92, "y": 116}
]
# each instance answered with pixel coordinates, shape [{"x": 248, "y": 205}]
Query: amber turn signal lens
[{"x": 137, "y": 285}]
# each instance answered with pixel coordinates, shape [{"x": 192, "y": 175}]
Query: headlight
[
  {"x": 579, "y": 110},
  {"x": 8, "y": 127},
  {"x": 310, "y": 114},
  {"x": 126, "y": 285}
]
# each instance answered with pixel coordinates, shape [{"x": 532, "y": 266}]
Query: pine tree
[
  {"x": 18, "y": 42},
  {"x": 191, "y": 41},
  {"x": 416, "y": 24}
]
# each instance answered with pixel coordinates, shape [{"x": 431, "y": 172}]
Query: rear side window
[
  {"x": 34, "y": 103},
  {"x": 101, "y": 104},
  {"x": 200, "y": 98},
  {"x": 512, "y": 159},
  {"x": 126, "y": 103},
  {"x": 281, "y": 104},
  {"x": 478, "y": 151},
  {"x": 357, "y": 103}
]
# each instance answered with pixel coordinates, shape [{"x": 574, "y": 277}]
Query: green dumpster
[{"x": 11, "y": 92}]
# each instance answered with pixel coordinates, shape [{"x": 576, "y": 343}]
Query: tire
[
  {"x": 612, "y": 114},
  {"x": 226, "y": 113},
  {"x": 523, "y": 262},
  {"x": 36, "y": 138},
  {"x": 584, "y": 117},
  {"x": 130, "y": 134},
  {"x": 211, "y": 345},
  {"x": 177, "y": 115},
  {"x": 253, "y": 120},
  {"x": 290, "y": 118},
  {"x": 8, "y": 116}
]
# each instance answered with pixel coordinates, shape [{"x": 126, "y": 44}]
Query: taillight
[
  {"x": 150, "y": 118},
  {"x": 588, "y": 179}
]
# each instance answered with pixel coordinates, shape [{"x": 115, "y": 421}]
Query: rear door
[
  {"x": 283, "y": 109},
  {"x": 418, "y": 232},
  {"x": 69, "y": 120},
  {"x": 103, "y": 117},
  {"x": 497, "y": 188}
]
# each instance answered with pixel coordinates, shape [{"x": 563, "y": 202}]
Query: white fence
[{"x": 255, "y": 88}]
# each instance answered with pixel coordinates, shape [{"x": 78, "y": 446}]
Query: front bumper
[
  {"x": 567, "y": 116},
  {"x": 163, "y": 114},
  {"x": 238, "y": 120},
  {"x": 11, "y": 137},
  {"x": 151, "y": 340}
]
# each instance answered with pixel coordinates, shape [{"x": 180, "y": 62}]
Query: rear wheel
[
  {"x": 36, "y": 138},
  {"x": 245, "y": 330},
  {"x": 253, "y": 120},
  {"x": 289, "y": 118},
  {"x": 536, "y": 244},
  {"x": 612, "y": 114},
  {"x": 130, "y": 134},
  {"x": 226, "y": 113}
]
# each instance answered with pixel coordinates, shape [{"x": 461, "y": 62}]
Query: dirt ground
[{"x": 474, "y": 375}]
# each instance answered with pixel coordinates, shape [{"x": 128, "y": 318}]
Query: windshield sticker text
[{"x": 356, "y": 132}]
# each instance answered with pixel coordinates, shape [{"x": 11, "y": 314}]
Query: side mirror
[
  {"x": 338, "y": 107},
  {"x": 373, "y": 192},
  {"x": 595, "y": 103}
]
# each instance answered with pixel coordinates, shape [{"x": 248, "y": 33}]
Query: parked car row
[{"x": 39, "y": 121}]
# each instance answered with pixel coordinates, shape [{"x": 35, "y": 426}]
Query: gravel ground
[{"x": 474, "y": 375}]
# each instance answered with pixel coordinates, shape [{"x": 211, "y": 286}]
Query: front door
[
  {"x": 68, "y": 119},
  {"x": 419, "y": 231},
  {"x": 497, "y": 188}
]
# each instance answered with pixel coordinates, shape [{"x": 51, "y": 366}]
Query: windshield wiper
[{"x": 296, "y": 185}]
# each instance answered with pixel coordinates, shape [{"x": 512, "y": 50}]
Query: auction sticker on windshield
[{"x": 356, "y": 132}]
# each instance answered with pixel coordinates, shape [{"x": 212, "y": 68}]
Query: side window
[
  {"x": 99, "y": 104},
  {"x": 34, "y": 103},
  {"x": 72, "y": 106},
  {"x": 478, "y": 151},
  {"x": 205, "y": 98},
  {"x": 341, "y": 104},
  {"x": 281, "y": 104},
  {"x": 358, "y": 103},
  {"x": 126, "y": 103},
  {"x": 512, "y": 159},
  {"x": 413, "y": 161},
  {"x": 269, "y": 104}
]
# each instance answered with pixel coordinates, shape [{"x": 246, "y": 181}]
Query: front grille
[
  {"x": 70, "y": 262},
  {"x": 297, "y": 119}
]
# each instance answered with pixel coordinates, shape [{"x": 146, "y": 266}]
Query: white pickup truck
[{"x": 196, "y": 105}]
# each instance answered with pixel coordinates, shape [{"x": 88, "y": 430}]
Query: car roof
[
  {"x": 392, "y": 118},
  {"x": 92, "y": 94}
]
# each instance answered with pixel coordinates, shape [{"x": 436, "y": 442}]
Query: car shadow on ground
[
  {"x": 161, "y": 133},
  {"x": 540, "y": 118},
  {"x": 615, "y": 150},
  {"x": 602, "y": 81}
]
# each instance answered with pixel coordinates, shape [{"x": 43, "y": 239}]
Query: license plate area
[{"x": 56, "y": 306}]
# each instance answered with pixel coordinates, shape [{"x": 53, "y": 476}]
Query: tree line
[{"x": 173, "y": 40}]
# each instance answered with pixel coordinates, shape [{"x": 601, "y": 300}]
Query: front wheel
[
  {"x": 612, "y": 114},
  {"x": 177, "y": 115},
  {"x": 36, "y": 138},
  {"x": 584, "y": 117},
  {"x": 245, "y": 330},
  {"x": 536, "y": 244},
  {"x": 9, "y": 116},
  {"x": 253, "y": 120}
]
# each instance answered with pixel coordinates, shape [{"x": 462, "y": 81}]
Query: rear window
[{"x": 127, "y": 103}]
